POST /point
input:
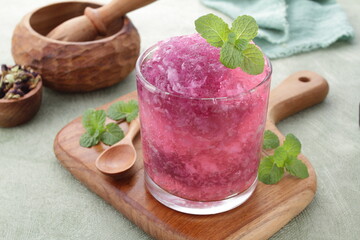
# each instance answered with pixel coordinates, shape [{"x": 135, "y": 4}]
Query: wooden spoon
[
  {"x": 95, "y": 21},
  {"x": 120, "y": 157}
]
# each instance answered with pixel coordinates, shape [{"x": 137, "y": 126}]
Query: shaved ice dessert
[{"x": 202, "y": 124}]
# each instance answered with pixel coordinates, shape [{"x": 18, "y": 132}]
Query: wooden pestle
[{"x": 95, "y": 21}]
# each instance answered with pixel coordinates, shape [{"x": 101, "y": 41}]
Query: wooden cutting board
[{"x": 267, "y": 210}]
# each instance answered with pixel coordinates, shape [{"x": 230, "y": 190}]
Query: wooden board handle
[
  {"x": 103, "y": 16},
  {"x": 298, "y": 92}
]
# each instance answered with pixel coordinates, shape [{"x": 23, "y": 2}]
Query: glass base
[{"x": 196, "y": 207}]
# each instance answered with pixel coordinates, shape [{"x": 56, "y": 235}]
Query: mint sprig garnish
[
  {"x": 235, "y": 43},
  {"x": 213, "y": 29},
  {"x": 94, "y": 123},
  {"x": 272, "y": 167}
]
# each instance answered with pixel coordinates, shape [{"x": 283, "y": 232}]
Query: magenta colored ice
[{"x": 201, "y": 123}]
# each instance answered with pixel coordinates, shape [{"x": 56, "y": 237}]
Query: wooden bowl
[
  {"x": 14, "y": 112},
  {"x": 75, "y": 66}
]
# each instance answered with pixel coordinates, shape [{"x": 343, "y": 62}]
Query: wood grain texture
[
  {"x": 14, "y": 112},
  {"x": 268, "y": 209},
  {"x": 75, "y": 66}
]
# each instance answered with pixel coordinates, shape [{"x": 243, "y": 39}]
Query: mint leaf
[
  {"x": 112, "y": 134},
  {"x": 86, "y": 119},
  {"x": 241, "y": 44},
  {"x": 269, "y": 173},
  {"x": 252, "y": 60},
  {"x": 280, "y": 156},
  {"x": 271, "y": 168},
  {"x": 235, "y": 48},
  {"x": 235, "y": 53},
  {"x": 231, "y": 52},
  {"x": 133, "y": 108},
  {"x": 271, "y": 140},
  {"x": 292, "y": 145},
  {"x": 94, "y": 123},
  {"x": 230, "y": 55},
  {"x": 93, "y": 120},
  {"x": 121, "y": 110},
  {"x": 87, "y": 140},
  {"x": 245, "y": 27},
  {"x": 213, "y": 29},
  {"x": 296, "y": 168}
]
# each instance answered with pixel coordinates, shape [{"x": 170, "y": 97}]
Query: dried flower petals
[{"x": 17, "y": 81}]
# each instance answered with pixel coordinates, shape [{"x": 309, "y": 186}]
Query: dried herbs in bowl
[{"x": 16, "y": 81}]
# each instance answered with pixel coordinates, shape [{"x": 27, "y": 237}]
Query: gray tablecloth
[{"x": 39, "y": 199}]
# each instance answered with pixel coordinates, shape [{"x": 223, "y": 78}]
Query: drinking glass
[{"x": 201, "y": 155}]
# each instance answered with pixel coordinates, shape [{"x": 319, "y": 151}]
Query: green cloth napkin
[{"x": 288, "y": 27}]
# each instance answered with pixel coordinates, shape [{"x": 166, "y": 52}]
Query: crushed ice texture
[{"x": 189, "y": 66}]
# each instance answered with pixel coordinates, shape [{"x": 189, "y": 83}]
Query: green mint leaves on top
[
  {"x": 94, "y": 123},
  {"x": 213, "y": 29},
  {"x": 272, "y": 167},
  {"x": 236, "y": 49}
]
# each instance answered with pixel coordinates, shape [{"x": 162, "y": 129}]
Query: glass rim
[{"x": 153, "y": 88}]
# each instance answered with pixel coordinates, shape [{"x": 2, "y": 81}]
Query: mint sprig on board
[
  {"x": 94, "y": 123},
  {"x": 235, "y": 43},
  {"x": 285, "y": 157},
  {"x": 122, "y": 110}
]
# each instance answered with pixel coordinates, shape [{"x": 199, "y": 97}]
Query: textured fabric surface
[
  {"x": 288, "y": 27},
  {"x": 39, "y": 199}
]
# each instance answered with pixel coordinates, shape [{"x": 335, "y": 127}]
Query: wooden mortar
[{"x": 75, "y": 66}]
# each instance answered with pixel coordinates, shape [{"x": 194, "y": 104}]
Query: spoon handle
[
  {"x": 103, "y": 16},
  {"x": 133, "y": 129}
]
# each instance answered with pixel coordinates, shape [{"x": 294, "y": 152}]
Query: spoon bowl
[{"x": 119, "y": 158}]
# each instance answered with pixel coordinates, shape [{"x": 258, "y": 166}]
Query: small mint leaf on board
[
  {"x": 133, "y": 105},
  {"x": 271, "y": 168},
  {"x": 122, "y": 110},
  {"x": 113, "y": 134},
  {"x": 271, "y": 140},
  {"x": 93, "y": 120},
  {"x": 87, "y": 140},
  {"x": 296, "y": 167},
  {"x": 292, "y": 145},
  {"x": 245, "y": 27},
  {"x": 252, "y": 60},
  {"x": 280, "y": 157},
  {"x": 269, "y": 172},
  {"x": 213, "y": 29},
  {"x": 94, "y": 123}
]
